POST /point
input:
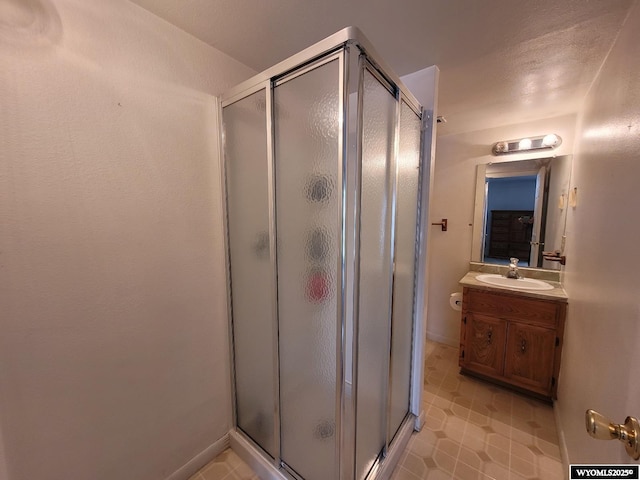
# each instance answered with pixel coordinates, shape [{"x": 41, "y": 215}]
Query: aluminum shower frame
[{"x": 354, "y": 53}]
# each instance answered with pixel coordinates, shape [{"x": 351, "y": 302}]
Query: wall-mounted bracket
[{"x": 443, "y": 224}]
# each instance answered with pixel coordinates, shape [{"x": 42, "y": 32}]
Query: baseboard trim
[
  {"x": 419, "y": 423},
  {"x": 398, "y": 447},
  {"x": 562, "y": 442},
  {"x": 252, "y": 457},
  {"x": 442, "y": 339},
  {"x": 201, "y": 459}
]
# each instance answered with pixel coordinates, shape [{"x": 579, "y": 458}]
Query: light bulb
[
  {"x": 525, "y": 144},
  {"x": 501, "y": 147},
  {"x": 550, "y": 140}
]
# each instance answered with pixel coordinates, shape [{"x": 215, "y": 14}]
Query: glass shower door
[
  {"x": 408, "y": 177},
  {"x": 374, "y": 298},
  {"x": 251, "y": 267},
  {"x": 308, "y": 209}
]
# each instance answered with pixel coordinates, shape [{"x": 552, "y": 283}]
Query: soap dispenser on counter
[{"x": 513, "y": 268}]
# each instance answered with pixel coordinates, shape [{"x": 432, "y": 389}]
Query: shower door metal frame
[
  {"x": 346, "y": 45},
  {"x": 367, "y": 65},
  {"x": 267, "y": 87},
  {"x": 336, "y": 54},
  {"x": 380, "y": 468}
]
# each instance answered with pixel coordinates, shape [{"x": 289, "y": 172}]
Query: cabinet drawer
[{"x": 511, "y": 307}]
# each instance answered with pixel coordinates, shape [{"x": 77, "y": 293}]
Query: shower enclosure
[{"x": 323, "y": 176}]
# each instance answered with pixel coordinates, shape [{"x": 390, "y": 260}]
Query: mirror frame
[{"x": 479, "y": 212}]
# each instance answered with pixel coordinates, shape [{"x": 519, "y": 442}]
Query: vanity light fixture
[{"x": 543, "y": 142}]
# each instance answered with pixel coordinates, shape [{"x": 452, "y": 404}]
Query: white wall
[
  {"x": 457, "y": 157},
  {"x": 113, "y": 338},
  {"x": 601, "y": 358}
]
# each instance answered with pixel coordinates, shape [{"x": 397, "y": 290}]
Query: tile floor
[
  {"x": 226, "y": 466},
  {"x": 477, "y": 431},
  {"x": 473, "y": 431}
]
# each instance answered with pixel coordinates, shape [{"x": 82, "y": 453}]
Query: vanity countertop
[{"x": 558, "y": 293}]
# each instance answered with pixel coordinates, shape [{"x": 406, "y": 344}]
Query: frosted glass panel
[
  {"x": 374, "y": 300},
  {"x": 308, "y": 201},
  {"x": 403, "y": 286},
  {"x": 251, "y": 271}
]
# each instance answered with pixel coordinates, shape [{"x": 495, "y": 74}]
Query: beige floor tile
[
  {"x": 522, "y": 451},
  {"x": 525, "y": 438},
  {"x": 414, "y": 464},
  {"x": 543, "y": 414},
  {"x": 548, "y": 435},
  {"x": 215, "y": 471},
  {"x": 474, "y": 441},
  {"x": 465, "y": 472},
  {"x": 495, "y": 471},
  {"x": 499, "y": 441},
  {"x": 501, "y": 416},
  {"x": 550, "y": 467},
  {"x": 525, "y": 425},
  {"x": 235, "y": 476},
  {"x": 498, "y": 456},
  {"x": 523, "y": 410},
  {"x": 470, "y": 457},
  {"x": 467, "y": 388},
  {"x": 523, "y": 468},
  {"x": 461, "y": 407},
  {"x": 243, "y": 472},
  {"x": 427, "y": 436},
  {"x": 454, "y": 428},
  {"x": 436, "y": 418},
  {"x": 449, "y": 447},
  {"x": 479, "y": 415},
  {"x": 428, "y": 397},
  {"x": 437, "y": 474},
  {"x": 444, "y": 462},
  {"x": 442, "y": 400},
  {"x": 548, "y": 449},
  {"x": 430, "y": 388},
  {"x": 502, "y": 401},
  {"x": 484, "y": 394},
  {"x": 434, "y": 377},
  {"x": 500, "y": 427},
  {"x": 422, "y": 448},
  {"x": 402, "y": 473},
  {"x": 233, "y": 459},
  {"x": 474, "y": 430}
]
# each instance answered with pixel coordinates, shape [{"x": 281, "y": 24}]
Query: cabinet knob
[
  {"x": 489, "y": 335},
  {"x": 523, "y": 345}
]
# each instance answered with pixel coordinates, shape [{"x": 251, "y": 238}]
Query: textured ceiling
[{"x": 501, "y": 61}]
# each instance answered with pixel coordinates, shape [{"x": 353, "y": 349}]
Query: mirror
[{"x": 520, "y": 211}]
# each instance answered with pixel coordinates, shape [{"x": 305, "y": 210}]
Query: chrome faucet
[{"x": 513, "y": 268}]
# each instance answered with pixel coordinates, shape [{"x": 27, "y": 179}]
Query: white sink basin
[{"x": 518, "y": 284}]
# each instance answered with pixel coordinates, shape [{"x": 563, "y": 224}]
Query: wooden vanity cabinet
[{"x": 512, "y": 339}]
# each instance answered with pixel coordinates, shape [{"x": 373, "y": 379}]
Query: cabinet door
[
  {"x": 485, "y": 341},
  {"x": 530, "y": 355}
]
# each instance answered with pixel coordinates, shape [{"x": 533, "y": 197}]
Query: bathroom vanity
[{"x": 512, "y": 337}]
